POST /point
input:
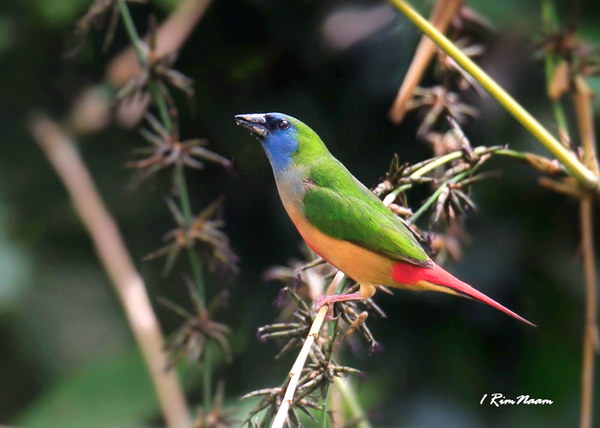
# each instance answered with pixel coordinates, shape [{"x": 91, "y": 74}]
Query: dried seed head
[
  {"x": 438, "y": 102},
  {"x": 188, "y": 342},
  {"x": 219, "y": 416},
  {"x": 166, "y": 150},
  {"x": 100, "y": 13},
  {"x": 158, "y": 71},
  {"x": 204, "y": 234}
]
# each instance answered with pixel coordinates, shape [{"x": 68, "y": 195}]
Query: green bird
[{"x": 342, "y": 220}]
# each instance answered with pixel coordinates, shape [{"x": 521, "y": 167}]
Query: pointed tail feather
[{"x": 406, "y": 273}]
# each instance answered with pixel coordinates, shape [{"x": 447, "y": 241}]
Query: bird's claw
[{"x": 322, "y": 301}]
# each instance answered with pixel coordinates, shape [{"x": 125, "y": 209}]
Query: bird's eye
[{"x": 283, "y": 124}]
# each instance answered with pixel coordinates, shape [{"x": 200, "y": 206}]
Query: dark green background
[{"x": 66, "y": 355}]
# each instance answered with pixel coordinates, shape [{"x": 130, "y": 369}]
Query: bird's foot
[
  {"x": 330, "y": 299},
  {"x": 324, "y": 301}
]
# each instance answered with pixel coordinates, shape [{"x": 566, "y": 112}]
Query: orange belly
[{"x": 364, "y": 266}]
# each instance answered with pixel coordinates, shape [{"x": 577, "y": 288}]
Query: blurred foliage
[
  {"x": 66, "y": 356},
  {"x": 93, "y": 396}
]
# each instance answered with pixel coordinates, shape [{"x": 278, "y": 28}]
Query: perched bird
[{"x": 342, "y": 220}]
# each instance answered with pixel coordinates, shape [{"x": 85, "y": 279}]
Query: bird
[{"x": 343, "y": 221}]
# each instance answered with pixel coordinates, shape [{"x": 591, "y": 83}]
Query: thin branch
[
  {"x": 141, "y": 56},
  {"x": 288, "y": 398},
  {"x": 115, "y": 258},
  {"x": 590, "y": 337},
  {"x": 187, "y": 215},
  {"x": 582, "y": 173},
  {"x": 582, "y": 100},
  {"x": 549, "y": 23},
  {"x": 429, "y": 202},
  {"x": 199, "y": 282},
  {"x": 441, "y": 17}
]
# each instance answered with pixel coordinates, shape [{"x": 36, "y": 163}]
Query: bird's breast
[{"x": 362, "y": 265}]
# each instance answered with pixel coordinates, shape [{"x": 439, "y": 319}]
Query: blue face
[
  {"x": 280, "y": 141},
  {"x": 277, "y": 134}
]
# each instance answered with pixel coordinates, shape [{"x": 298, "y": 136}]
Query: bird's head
[{"x": 285, "y": 139}]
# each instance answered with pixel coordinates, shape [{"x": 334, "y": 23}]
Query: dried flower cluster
[
  {"x": 189, "y": 341},
  {"x": 166, "y": 150},
  {"x": 203, "y": 233}
]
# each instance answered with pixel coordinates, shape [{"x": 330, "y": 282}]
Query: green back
[{"x": 338, "y": 205}]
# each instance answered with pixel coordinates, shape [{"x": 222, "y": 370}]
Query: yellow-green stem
[
  {"x": 137, "y": 43},
  {"x": 187, "y": 216},
  {"x": 194, "y": 261},
  {"x": 584, "y": 175},
  {"x": 435, "y": 195},
  {"x": 199, "y": 282},
  {"x": 349, "y": 397}
]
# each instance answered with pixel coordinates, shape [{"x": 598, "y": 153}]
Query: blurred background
[{"x": 67, "y": 357}]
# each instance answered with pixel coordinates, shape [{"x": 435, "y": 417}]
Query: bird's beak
[{"x": 255, "y": 123}]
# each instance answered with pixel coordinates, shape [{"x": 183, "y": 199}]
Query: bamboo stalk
[
  {"x": 111, "y": 250},
  {"x": 582, "y": 101},
  {"x": 582, "y": 173}
]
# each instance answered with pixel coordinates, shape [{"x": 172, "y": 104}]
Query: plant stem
[
  {"x": 549, "y": 23},
  {"x": 137, "y": 43},
  {"x": 112, "y": 252},
  {"x": 282, "y": 412},
  {"x": 163, "y": 110},
  {"x": 315, "y": 328},
  {"x": 132, "y": 33},
  {"x": 449, "y": 157},
  {"x": 435, "y": 195},
  {"x": 199, "y": 281},
  {"x": 356, "y": 411},
  {"x": 590, "y": 336},
  {"x": 582, "y": 173},
  {"x": 207, "y": 378},
  {"x": 167, "y": 122},
  {"x": 187, "y": 215},
  {"x": 431, "y": 164},
  {"x": 582, "y": 100},
  {"x": 324, "y": 416}
]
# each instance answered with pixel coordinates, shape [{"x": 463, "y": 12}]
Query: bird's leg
[{"x": 330, "y": 299}]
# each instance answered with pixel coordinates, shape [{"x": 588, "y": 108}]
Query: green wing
[{"x": 338, "y": 205}]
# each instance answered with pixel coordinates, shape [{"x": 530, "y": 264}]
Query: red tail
[{"x": 406, "y": 273}]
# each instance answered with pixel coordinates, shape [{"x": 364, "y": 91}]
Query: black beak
[{"x": 255, "y": 123}]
